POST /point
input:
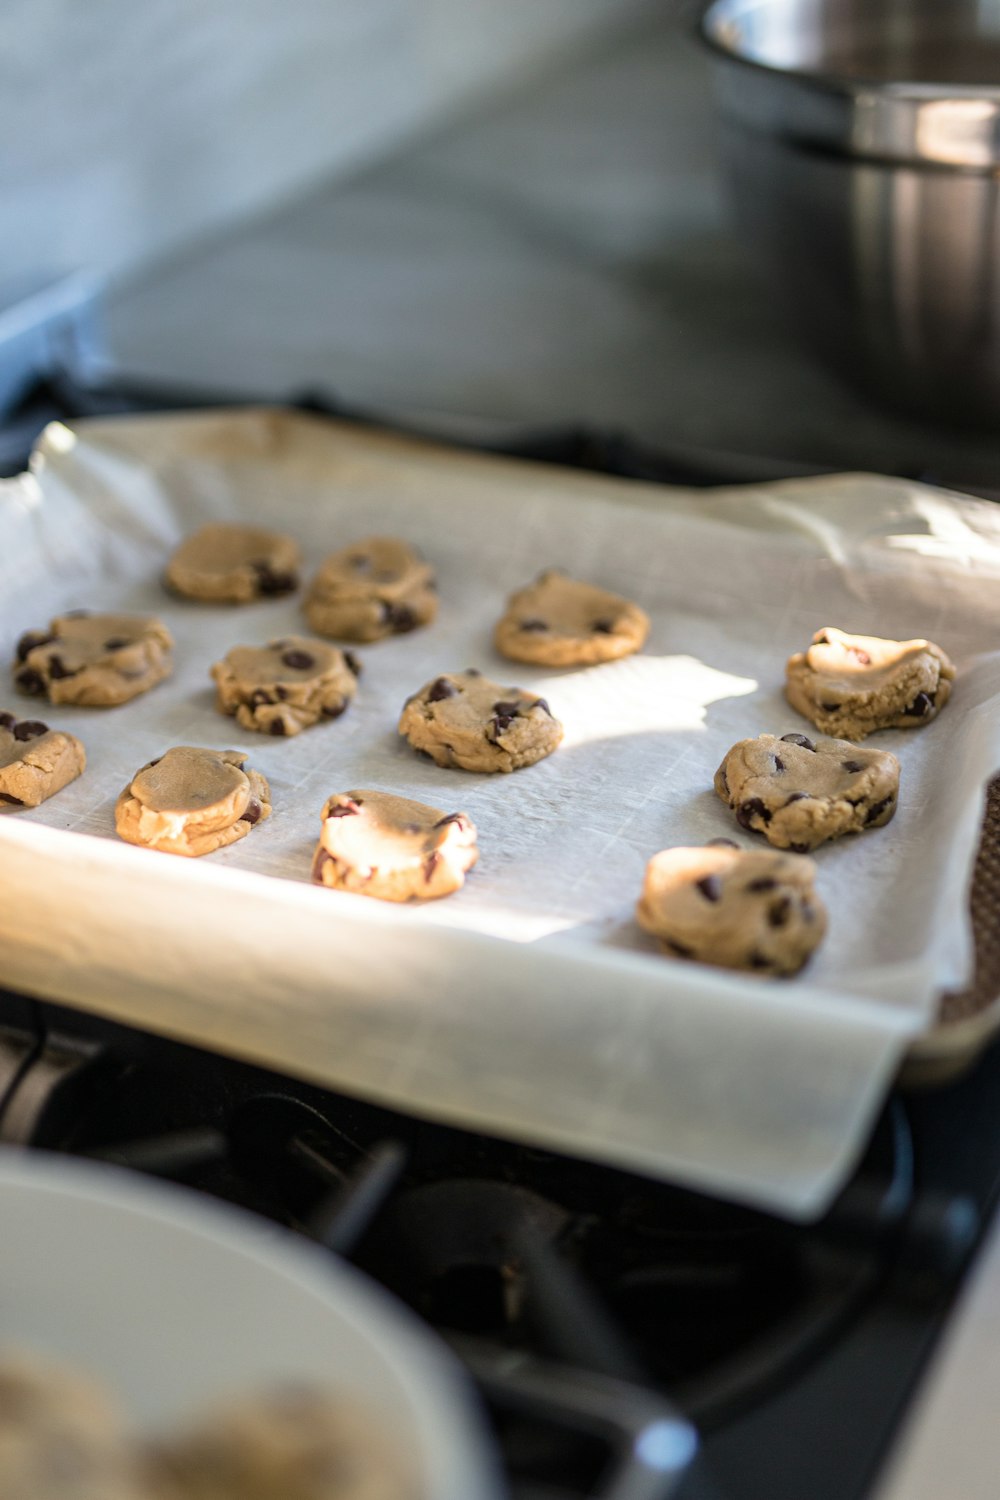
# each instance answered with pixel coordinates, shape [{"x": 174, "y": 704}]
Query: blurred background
[{"x": 479, "y": 218}]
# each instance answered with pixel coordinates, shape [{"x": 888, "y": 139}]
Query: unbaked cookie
[
  {"x": 224, "y": 563},
  {"x": 192, "y": 801},
  {"x": 293, "y": 1443},
  {"x": 465, "y": 720},
  {"x": 561, "y": 622},
  {"x": 287, "y": 685},
  {"x": 852, "y": 685},
  {"x": 393, "y": 848},
  {"x": 798, "y": 794},
  {"x": 377, "y": 587},
  {"x": 35, "y": 761},
  {"x": 61, "y": 1437},
  {"x": 94, "y": 660},
  {"x": 737, "y": 909}
]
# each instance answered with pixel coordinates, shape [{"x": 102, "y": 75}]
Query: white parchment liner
[{"x": 529, "y": 1004}]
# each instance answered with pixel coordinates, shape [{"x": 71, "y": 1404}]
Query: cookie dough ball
[
  {"x": 60, "y": 1437},
  {"x": 377, "y": 587},
  {"x": 94, "y": 660},
  {"x": 192, "y": 801},
  {"x": 391, "y": 847},
  {"x": 739, "y": 910},
  {"x": 35, "y": 761},
  {"x": 798, "y": 794},
  {"x": 558, "y": 621},
  {"x": 852, "y": 685},
  {"x": 465, "y": 720},
  {"x": 287, "y": 685},
  {"x": 290, "y": 1444},
  {"x": 229, "y": 564}
]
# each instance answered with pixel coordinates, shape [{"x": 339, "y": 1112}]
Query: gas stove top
[{"x": 588, "y": 1304}]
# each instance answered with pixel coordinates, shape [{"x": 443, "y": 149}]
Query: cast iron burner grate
[{"x": 586, "y": 1301}]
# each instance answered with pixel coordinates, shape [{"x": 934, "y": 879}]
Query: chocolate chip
[
  {"x": 252, "y": 811},
  {"x": 270, "y": 583},
  {"x": 497, "y": 725},
  {"x": 299, "y": 661},
  {"x": 851, "y": 765},
  {"x": 344, "y": 809},
  {"x": 779, "y": 764},
  {"x": 14, "y": 801},
  {"x": 763, "y": 883},
  {"x": 7, "y": 721},
  {"x": 30, "y": 640},
  {"x": 542, "y": 704},
  {"x": 352, "y": 663},
  {"x": 276, "y": 727},
  {"x": 681, "y": 950},
  {"x": 830, "y": 708},
  {"x": 399, "y": 617},
  {"x": 116, "y": 643},
  {"x": 921, "y": 705},
  {"x": 58, "y": 669},
  {"x": 710, "y": 887},
  {"x": 333, "y": 710},
  {"x": 778, "y": 912},
  {"x": 722, "y": 844},
  {"x": 758, "y": 961},
  {"x": 508, "y": 710},
  {"x": 430, "y": 865},
  {"x": 603, "y": 627},
  {"x": 752, "y": 808},
  {"x": 440, "y": 689},
  {"x": 30, "y": 729},
  {"x": 532, "y": 625},
  {"x": 799, "y": 848},
  {"x": 798, "y": 739},
  {"x": 30, "y": 681},
  {"x": 450, "y": 818},
  {"x": 875, "y": 811},
  {"x": 796, "y": 797},
  {"x": 259, "y": 697},
  {"x": 280, "y": 693}
]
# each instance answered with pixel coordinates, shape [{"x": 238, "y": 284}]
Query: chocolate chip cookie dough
[
  {"x": 393, "y": 848},
  {"x": 287, "y": 685},
  {"x": 294, "y": 1443},
  {"x": 798, "y": 793},
  {"x": 228, "y": 564},
  {"x": 35, "y": 761},
  {"x": 465, "y": 720},
  {"x": 61, "y": 1437},
  {"x": 733, "y": 908},
  {"x": 192, "y": 801},
  {"x": 94, "y": 660},
  {"x": 851, "y": 685},
  {"x": 377, "y": 587},
  {"x": 558, "y": 621}
]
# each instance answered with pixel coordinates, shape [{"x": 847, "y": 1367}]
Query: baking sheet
[{"x": 529, "y": 1003}]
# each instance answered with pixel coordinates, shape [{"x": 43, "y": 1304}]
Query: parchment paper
[{"x": 528, "y": 1004}]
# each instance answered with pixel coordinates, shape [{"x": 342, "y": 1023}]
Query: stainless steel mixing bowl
[{"x": 862, "y": 139}]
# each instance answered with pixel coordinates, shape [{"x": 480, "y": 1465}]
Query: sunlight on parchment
[
  {"x": 639, "y": 695},
  {"x": 948, "y": 535}
]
